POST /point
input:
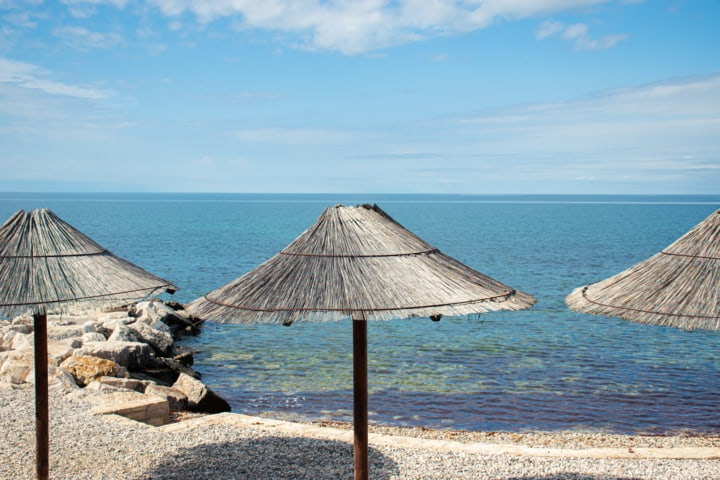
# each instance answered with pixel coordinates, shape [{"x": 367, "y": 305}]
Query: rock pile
[{"x": 125, "y": 362}]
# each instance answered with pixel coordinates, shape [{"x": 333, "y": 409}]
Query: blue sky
[{"x": 406, "y": 96}]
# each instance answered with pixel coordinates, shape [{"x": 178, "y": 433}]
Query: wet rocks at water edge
[{"x": 126, "y": 360}]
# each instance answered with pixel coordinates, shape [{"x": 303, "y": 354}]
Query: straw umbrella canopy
[
  {"x": 677, "y": 287},
  {"x": 47, "y": 266},
  {"x": 357, "y": 262}
]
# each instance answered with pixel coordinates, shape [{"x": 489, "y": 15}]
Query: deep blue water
[{"x": 546, "y": 368}]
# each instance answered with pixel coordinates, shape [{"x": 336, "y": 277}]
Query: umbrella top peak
[
  {"x": 41, "y": 233},
  {"x": 356, "y": 231}
]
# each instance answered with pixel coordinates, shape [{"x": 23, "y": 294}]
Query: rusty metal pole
[
  {"x": 42, "y": 423},
  {"x": 360, "y": 404}
]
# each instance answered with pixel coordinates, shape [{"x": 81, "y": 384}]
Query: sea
[{"x": 546, "y": 368}]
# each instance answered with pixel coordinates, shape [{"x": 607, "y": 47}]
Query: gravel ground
[
  {"x": 85, "y": 446},
  {"x": 568, "y": 439}
]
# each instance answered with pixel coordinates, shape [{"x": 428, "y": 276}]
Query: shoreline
[
  {"x": 565, "y": 439},
  {"x": 539, "y": 438},
  {"x": 542, "y": 444},
  {"x": 89, "y": 441},
  {"x": 86, "y": 446}
]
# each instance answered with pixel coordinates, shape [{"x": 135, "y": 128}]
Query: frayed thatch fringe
[
  {"x": 678, "y": 287},
  {"x": 357, "y": 262},
  {"x": 47, "y": 265}
]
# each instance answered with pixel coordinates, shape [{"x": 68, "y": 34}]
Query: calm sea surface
[{"x": 546, "y": 368}]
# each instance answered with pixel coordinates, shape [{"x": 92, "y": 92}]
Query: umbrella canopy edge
[{"x": 677, "y": 287}]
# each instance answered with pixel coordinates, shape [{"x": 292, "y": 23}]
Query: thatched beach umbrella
[
  {"x": 358, "y": 263},
  {"x": 47, "y": 266},
  {"x": 678, "y": 287}
]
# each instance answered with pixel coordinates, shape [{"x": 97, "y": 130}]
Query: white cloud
[
  {"x": 604, "y": 43},
  {"x": 31, "y": 77},
  {"x": 80, "y": 37},
  {"x": 350, "y": 27},
  {"x": 579, "y": 34},
  {"x": 363, "y": 25},
  {"x": 115, "y": 3},
  {"x": 82, "y": 11},
  {"x": 21, "y": 19},
  {"x": 548, "y": 28},
  {"x": 578, "y": 30}
]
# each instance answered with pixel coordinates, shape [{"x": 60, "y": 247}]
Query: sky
[{"x": 360, "y": 96}]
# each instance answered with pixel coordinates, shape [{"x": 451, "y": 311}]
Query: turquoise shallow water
[{"x": 545, "y": 368}]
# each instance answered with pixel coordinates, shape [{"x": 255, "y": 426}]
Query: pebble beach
[{"x": 86, "y": 446}]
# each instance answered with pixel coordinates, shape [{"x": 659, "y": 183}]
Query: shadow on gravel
[
  {"x": 572, "y": 476},
  {"x": 270, "y": 458}
]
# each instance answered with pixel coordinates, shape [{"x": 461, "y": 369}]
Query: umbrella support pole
[
  {"x": 360, "y": 403},
  {"x": 42, "y": 424}
]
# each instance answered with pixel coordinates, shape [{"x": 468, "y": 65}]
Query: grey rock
[
  {"x": 162, "y": 342},
  {"x": 123, "y": 333},
  {"x": 150, "y": 311},
  {"x": 125, "y": 383},
  {"x": 93, "y": 337},
  {"x": 59, "y": 351},
  {"x": 23, "y": 320},
  {"x": 177, "y": 400},
  {"x": 200, "y": 397},
  {"x": 21, "y": 328},
  {"x": 98, "y": 387},
  {"x": 61, "y": 332},
  {"x": 185, "y": 358},
  {"x": 17, "y": 365},
  {"x": 90, "y": 326},
  {"x": 161, "y": 326},
  {"x": 61, "y": 380},
  {"x": 21, "y": 341},
  {"x": 155, "y": 310},
  {"x": 131, "y": 355}
]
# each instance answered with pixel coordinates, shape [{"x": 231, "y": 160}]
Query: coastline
[
  {"x": 537, "y": 369},
  {"x": 533, "y": 444},
  {"x": 90, "y": 441},
  {"x": 90, "y": 446}
]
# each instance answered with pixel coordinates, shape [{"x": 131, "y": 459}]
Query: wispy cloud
[
  {"x": 82, "y": 38},
  {"x": 298, "y": 136},
  {"x": 579, "y": 34},
  {"x": 88, "y": 8},
  {"x": 28, "y": 76},
  {"x": 549, "y": 28},
  {"x": 116, "y": 3},
  {"x": 21, "y": 19},
  {"x": 242, "y": 97},
  {"x": 645, "y": 131}
]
